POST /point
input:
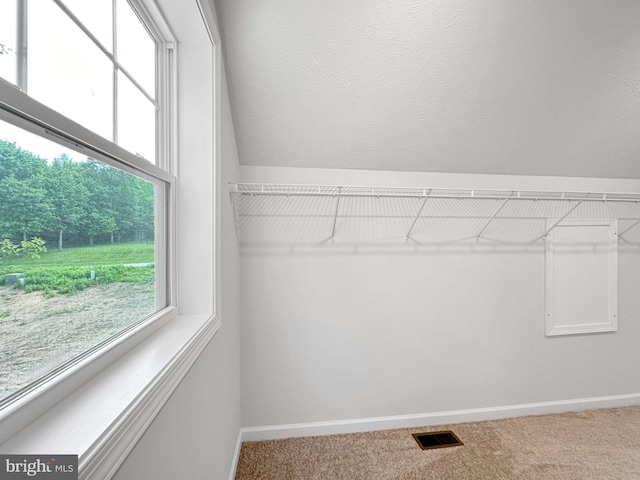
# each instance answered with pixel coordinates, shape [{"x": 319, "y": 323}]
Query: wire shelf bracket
[
  {"x": 561, "y": 219},
  {"x": 332, "y": 238},
  {"x": 633, "y": 225},
  {"x": 502, "y": 205},
  {"x": 424, "y": 202}
]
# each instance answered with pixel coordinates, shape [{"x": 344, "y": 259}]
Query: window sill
[{"x": 103, "y": 419}]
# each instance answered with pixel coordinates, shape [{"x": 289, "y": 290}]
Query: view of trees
[{"x": 68, "y": 202}]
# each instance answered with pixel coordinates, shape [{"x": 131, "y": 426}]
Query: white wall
[
  {"x": 331, "y": 334},
  {"x": 194, "y": 436},
  {"x": 491, "y": 86}
]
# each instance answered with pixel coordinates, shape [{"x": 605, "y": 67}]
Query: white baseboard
[
  {"x": 236, "y": 457},
  {"x": 276, "y": 432}
]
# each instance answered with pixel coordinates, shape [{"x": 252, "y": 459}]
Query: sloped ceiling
[{"x": 536, "y": 87}]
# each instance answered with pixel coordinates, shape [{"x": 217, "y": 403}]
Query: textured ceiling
[{"x": 536, "y": 87}]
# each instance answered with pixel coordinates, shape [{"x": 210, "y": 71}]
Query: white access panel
[{"x": 581, "y": 277}]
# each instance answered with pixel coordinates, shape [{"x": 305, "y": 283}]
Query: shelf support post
[
  {"x": 502, "y": 205},
  {"x": 424, "y": 202}
]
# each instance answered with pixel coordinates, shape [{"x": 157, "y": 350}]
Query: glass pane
[
  {"x": 136, "y": 50},
  {"x": 8, "y": 40},
  {"x": 136, "y": 120},
  {"x": 67, "y": 72},
  {"x": 97, "y": 16},
  {"x": 76, "y": 259}
]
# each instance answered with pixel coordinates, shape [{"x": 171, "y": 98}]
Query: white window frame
[
  {"x": 97, "y": 408},
  {"x": 23, "y": 111}
]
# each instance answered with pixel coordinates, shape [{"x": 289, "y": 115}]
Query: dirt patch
[{"x": 37, "y": 334}]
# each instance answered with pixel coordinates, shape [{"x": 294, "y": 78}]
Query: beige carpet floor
[{"x": 590, "y": 445}]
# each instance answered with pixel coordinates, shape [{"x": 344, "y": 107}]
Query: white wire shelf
[{"x": 316, "y": 214}]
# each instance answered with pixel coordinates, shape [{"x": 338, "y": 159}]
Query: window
[
  {"x": 94, "y": 62},
  {"x": 86, "y": 198}
]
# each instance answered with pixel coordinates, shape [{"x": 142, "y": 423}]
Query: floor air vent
[{"x": 437, "y": 439}]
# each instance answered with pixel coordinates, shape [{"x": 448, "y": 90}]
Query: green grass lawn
[
  {"x": 116, "y": 254},
  {"x": 74, "y": 269}
]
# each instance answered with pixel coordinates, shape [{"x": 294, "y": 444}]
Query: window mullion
[
  {"x": 136, "y": 83},
  {"x": 22, "y": 45},
  {"x": 97, "y": 42},
  {"x": 82, "y": 27}
]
